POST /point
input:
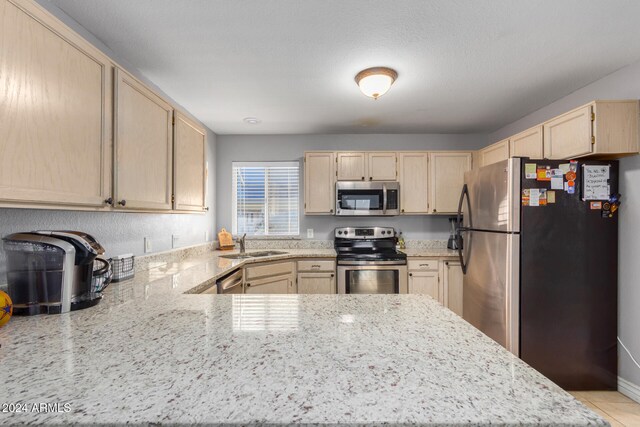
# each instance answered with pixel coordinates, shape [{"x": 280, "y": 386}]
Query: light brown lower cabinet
[
  {"x": 317, "y": 283},
  {"x": 270, "y": 278},
  {"x": 316, "y": 276},
  {"x": 441, "y": 279},
  {"x": 453, "y": 277},
  {"x": 425, "y": 283},
  {"x": 270, "y": 285}
]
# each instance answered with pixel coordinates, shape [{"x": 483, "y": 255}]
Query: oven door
[
  {"x": 372, "y": 279},
  {"x": 367, "y": 198}
]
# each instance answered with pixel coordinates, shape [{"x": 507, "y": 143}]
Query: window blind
[{"x": 266, "y": 198}]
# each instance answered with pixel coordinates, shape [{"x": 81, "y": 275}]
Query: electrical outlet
[
  {"x": 309, "y": 233},
  {"x": 147, "y": 245},
  {"x": 206, "y": 236},
  {"x": 175, "y": 239}
]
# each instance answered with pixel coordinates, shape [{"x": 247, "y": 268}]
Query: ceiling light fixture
[
  {"x": 375, "y": 82},
  {"x": 251, "y": 120}
]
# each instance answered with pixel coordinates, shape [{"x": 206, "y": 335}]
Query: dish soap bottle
[{"x": 401, "y": 244}]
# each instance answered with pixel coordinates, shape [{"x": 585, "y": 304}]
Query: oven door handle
[{"x": 384, "y": 199}]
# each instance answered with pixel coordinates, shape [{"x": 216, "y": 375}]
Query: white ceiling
[{"x": 463, "y": 65}]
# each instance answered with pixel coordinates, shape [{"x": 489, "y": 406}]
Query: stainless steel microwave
[{"x": 357, "y": 198}]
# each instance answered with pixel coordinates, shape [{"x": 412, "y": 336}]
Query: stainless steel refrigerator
[{"x": 541, "y": 277}]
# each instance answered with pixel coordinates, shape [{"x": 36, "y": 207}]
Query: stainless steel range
[{"x": 368, "y": 262}]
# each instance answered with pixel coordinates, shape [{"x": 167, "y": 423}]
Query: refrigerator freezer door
[
  {"x": 494, "y": 197},
  {"x": 491, "y": 285}
]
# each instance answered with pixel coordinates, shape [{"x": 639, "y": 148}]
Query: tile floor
[{"x": 615, "y": 407}]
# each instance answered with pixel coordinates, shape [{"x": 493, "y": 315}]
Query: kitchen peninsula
[{"x": 152, "y": 353}]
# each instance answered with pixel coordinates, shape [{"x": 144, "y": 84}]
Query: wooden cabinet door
[
  {"x": 189, "y": 174},
  {"x": 381, "y": 166},
  {"x": 316, "y": 283},
  {"x": 352, "y": 166},
  {"x": 143, "y": 147},
  {"x": 527, "y": 143},
  {"x": 55, "y": 112},
  {"x": 453, "y": 289},
  {"x": 414, "y": 178},
  {"x": 569, "y": 135},
  {"x": 319, "y": 183},
  {"x": 447, "y": 178},
  {"x": 495, "y": 153},
  {"x": 282, "y": 284},
  {"x": 425, "y": 283}
]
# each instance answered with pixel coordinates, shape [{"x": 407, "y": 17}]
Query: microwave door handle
[{"x": 384, "y": 199}]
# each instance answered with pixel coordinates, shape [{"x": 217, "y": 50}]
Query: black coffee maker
[{"x": 51, "y": 271}]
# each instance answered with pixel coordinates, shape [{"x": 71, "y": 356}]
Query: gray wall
[
  {"x": 623, "y": 84},
  {"x": 119, "y": 232},
  {"x": 292, "y": 147}
]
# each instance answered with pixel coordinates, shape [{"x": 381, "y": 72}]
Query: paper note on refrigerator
[
  {"x": 534, "y": 197},
  {"x": 596, "y": 182},
  {"x": 557, "y": 183},
  {"x": 530, "y": 170}
]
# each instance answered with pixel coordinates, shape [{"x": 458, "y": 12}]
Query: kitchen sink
[{"x": 253, "y": 254}]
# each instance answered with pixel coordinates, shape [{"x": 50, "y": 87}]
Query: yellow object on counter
[
  {"x": 225, "y": 239},
  {"x": 6, "y": 308}
]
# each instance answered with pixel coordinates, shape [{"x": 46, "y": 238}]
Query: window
[{"x": 266, "y": 198}]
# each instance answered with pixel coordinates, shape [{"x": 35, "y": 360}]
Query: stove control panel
[{"x": 364, "y": 232}]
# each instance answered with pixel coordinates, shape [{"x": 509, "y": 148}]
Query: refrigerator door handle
[{"x": 459, "y": 228}]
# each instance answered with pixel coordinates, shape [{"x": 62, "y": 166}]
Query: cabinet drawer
[
  {"x": 271, "y": 285},
  {"x": 269, "y": 270},
  {"x": 422, "y": 264},
  {"x": 316, "y": 265}
]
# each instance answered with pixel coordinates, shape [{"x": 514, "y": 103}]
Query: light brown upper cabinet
[
  {"x": 189, "y": 174},
  {"x": 568, "y": 135},
  {"x": 352, "y": 166},
  {"x": 446, "y": 172},
  {"x": 381, "y": 166},
  {"x": 143, "y": 146},
  {"x": 55, "y": 111},
  {"x": 494, "y": 153},
  {"x": 319, "y": 183},
  {"x": 603, "y": 128},
  {"x": 527, "y": 143},
  {"x": 414, "y": 178}
]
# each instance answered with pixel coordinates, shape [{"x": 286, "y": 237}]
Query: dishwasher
[{"x": 229, "y": 284}]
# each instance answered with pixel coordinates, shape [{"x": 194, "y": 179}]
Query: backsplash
[
  {"x": 328, "y": 244},
  {"x": 288, "y": 244}
]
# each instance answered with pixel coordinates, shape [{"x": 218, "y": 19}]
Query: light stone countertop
[
  {"x": 149, "y": 353},
  {"x": 430, "y": 252}
]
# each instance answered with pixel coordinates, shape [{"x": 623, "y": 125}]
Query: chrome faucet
[{"x": 241, "y": 242}]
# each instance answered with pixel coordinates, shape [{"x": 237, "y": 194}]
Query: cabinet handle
[
  {"x": 248, "y": 285},
  {"x": 363, "y": 178},
  {"x": 332, "y": 274},
  {"x": 206, "y": 208},
  {"x": 434, "y": 211},
  {"x": 330, "y": 210},
  {"x": 109, "y": 201},
  {"x": 370, "y": 178},
  {"x": 122, "y": 202},
  {"x": 410, "y": 274},
  {"x": 424, "y": 265},
  {"x": 315, "y": 266},
  {"x": 446, "y": 263},
  {"x": 402, "y": 211}
]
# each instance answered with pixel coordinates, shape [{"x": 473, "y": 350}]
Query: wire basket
[
  {"x": 122, "y": 266},
  {"x": 102, "y": 274}
]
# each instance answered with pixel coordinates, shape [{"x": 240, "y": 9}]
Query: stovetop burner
[{"x": 371, "y": 245}]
